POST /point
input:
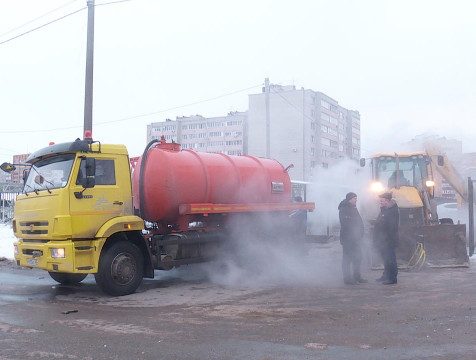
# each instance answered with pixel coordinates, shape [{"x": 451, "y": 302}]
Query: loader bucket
[{"x": 444, "y": 245}]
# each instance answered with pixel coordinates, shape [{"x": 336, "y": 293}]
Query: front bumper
[{"x": 79, "y": 256}]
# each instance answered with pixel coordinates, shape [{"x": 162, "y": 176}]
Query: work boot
[
  {"x": 381, "y": 278},
  {"x": 361, "y": 280},
  {"x": 350, "y": 282},
  {"x": 389, "y": 282}
]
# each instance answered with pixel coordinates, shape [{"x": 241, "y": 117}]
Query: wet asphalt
[{"x": 185, "y": 315}]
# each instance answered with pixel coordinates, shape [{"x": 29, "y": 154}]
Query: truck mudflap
[{"x": 444, "y": 245}]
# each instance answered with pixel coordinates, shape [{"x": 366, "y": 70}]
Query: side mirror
[
  {"x": 90, "y": 172},
  {"x": 440, "y": 160},
  {"x": 7, "y": 167},
  {"x": 362, "y": 162}
]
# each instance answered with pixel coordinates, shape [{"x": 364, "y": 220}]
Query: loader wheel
[
  {"x": 121, "y": 269},
  {"x": 67, "y": 279}
]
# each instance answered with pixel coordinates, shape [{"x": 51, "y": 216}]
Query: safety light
[
  {"x": 15, "y": 250},
  {"x": 57, "y": 253},
  {"x": 377, "y": 187},
  {"x": 430, "y": 183}
]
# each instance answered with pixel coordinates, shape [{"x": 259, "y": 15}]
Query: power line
[
  {"x": 135, "y": 116},
  {"x": 42, "y": 26},
  {"x": 112, "y": 2},
  {"x": 35, "y": 19},
  {"x": 48, "y": 13},
  {"x": 294, "y": 106}
]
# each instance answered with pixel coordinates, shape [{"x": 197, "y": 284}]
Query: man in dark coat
[
  {"x": 386, "y": 237},
  {"x": 351, "y": 233}
]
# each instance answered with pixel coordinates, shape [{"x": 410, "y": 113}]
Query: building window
[
  {"x": 324, "y": 128},
  {"x": 312, "y": 139},
  {"x": 325, "y": 141},
  {"x": 234, "y": 142},
  {"x": 355, "y": 151},
  {"x": 234, "y": 123},
  {"x": 325, "y": 117},
  {"x": 325, "y": 105},
  {"x": 215, "y": 133},
  {"x": 215, "y": 124}
]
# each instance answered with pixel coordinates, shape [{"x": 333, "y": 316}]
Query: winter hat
[
  {"x": 350, "y": 195},
  {"x": 386, "y": 195}
]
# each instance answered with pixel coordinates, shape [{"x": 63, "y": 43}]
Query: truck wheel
[
  {"x": 67, "y": 279},
  {"x": 121, "y": 269}
]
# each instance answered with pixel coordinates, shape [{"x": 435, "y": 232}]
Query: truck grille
[
  {"x": 34, "y": 253},
  {"x": 31, "y": 227}
]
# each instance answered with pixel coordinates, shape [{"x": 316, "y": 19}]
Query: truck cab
[{"x": 75, "y": 196}]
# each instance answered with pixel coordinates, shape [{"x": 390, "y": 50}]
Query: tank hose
[
  {"x": 417, "y": 260},
  {"x": 141, "y": 176}
]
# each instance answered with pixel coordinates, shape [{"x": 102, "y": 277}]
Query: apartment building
[
  {"x": 306, "y": 128},
  {"x": 217, "y": 134},
  {"x": 17, "y": 175}
]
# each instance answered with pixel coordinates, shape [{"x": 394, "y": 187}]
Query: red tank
[{"x": 171, "y": 177}]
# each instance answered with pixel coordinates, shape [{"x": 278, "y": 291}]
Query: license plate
[{"x": 32, "y": 262}]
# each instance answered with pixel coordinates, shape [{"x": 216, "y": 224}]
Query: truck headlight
[
  {"x": 430, "y": 183},
  {"x": 57, "y": 253},
  {"x": 377, "y": 187},
  {"x": 15, "y": 250}
]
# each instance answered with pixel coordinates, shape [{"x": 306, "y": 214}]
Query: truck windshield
[
  {"x": 411, "y": 172},
  {"x": 50, "y": 173}
]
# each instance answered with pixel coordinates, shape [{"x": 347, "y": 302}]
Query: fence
[{"x": 8, "y": 194}]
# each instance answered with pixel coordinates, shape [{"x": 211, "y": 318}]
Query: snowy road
[{"x": 6, "y": 241}]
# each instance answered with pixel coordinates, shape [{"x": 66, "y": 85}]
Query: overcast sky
[{"x": 408, "y": 67}]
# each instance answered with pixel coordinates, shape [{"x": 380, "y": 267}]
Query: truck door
[{"x": 91, "y": 207}]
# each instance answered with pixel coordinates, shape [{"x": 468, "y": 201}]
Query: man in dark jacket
[
  {"x": 386, "y": 237},
  {"x": 351, "y": 233}
]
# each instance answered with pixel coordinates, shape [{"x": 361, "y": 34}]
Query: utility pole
[
  {"x": 88, "y": 96},
  {"x": 268, "y": 126},
  {"x": 471, "y": 216}
]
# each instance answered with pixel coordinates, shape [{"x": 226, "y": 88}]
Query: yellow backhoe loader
[{"x": 423, "y": 237}]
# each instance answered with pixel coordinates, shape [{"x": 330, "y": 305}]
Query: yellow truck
[{"x": 83, "y": 212}]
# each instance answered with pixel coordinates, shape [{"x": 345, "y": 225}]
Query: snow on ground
[{"x": 6, "y": 241}]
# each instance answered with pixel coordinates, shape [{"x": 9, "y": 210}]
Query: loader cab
[{"x": 396, "y": 171}]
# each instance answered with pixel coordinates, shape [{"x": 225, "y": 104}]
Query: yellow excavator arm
[{"x": 446, "y": 169}]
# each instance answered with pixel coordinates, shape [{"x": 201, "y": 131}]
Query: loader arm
[{"x": 447, "y": 170}]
